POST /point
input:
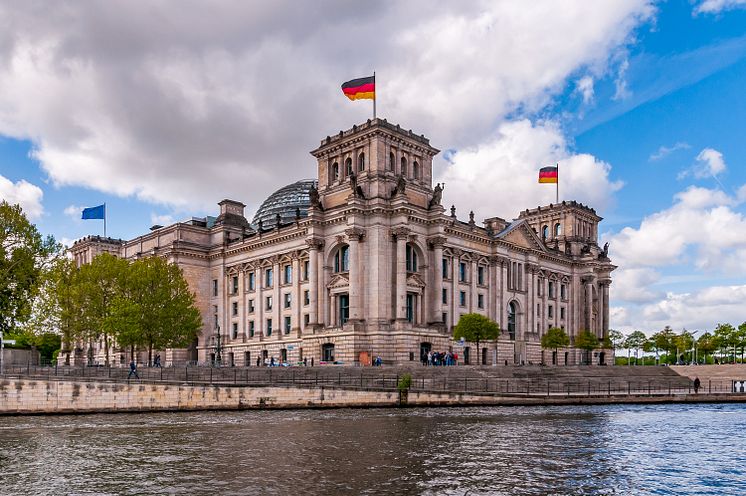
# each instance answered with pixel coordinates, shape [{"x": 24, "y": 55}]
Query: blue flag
[{"x": 95, "y": 212}]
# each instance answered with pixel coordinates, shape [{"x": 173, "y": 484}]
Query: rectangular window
[
  {"x": 462, "y": 298},
  {"x": 269, "y": 327},
  {"x": 344, "y": 308},
  {"x": 538, "y": 309},
  {"x": 444, "y": 317},
  {"x": 462, "y": 271},
  {"x": 306, "y": 319},
  {"x": 252, "y": 281},
  {"x": 444, "y": 296},
  {"x": 445, "y": 268},
  {"x": 307, "y": 297},
  {"x": 234, "y": 284},
  {"x": 286, "y": 300},
  {"x": 268, "y": 306},
  {"x": 287, "y": 325},
  {"x": 480, "y": 301},
  {"x": 214, "y": 287},
  {"x": 267, "y": 278},
  {"x": 480, "y": 275},
  {"x": 551, "y": 289},
  {"x": 251, "y": 306},
  {"x": 562, "y": 313},
  {"x": 287, "y": 274},
  {"x": 411, "y": 301},
  {"x": 563, "y": 291},
  {"x": 234, "y": 308},
  {"x": 538, "y": 286},
  {"x": 306, "y": 268},
  {"x": 550, "y": 312},
  {"x": 234, "y": 330},
  {"x": 216, "y": 321},
  {"x": 251, "y": 328}
]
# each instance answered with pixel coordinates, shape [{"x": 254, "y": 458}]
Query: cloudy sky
[{"x": 161, "y": 109}]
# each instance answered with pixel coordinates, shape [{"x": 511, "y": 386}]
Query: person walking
[
  {"x": 697, "y": 384},
  {"x": 133, "y": 370}
]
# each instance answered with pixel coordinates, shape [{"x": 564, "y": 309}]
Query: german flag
[
  {"x": 360, "y": 89},
  {"x": 548, "y": 175}
]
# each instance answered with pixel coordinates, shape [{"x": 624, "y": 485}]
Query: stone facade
[{"x": 379, "y": 268}]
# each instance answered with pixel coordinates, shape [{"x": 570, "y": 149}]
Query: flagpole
[
  {"x": 374, "y": 94},
  {"x": 104, "y": 220},
  {"x": 557, "y": 182}
]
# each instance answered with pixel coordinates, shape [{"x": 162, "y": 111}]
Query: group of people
[{"x": 435, "y": 358}]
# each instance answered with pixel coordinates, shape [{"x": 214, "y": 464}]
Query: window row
[
  {"x": 551, "y": 289},
  {"x": 463, "y": 271},
  {"x": 550, "y": 312},
  {"x": 287, "y": 278},
  {"x": 287, "y": 326}
]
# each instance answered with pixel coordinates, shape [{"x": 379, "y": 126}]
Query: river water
[{"x": 619, "y": 449}]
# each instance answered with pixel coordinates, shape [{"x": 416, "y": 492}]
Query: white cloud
[
  {"x": 620, "y": 83},
  {"x": 585, "y": 88},
  {"x": 161, "y": 220},
  {"x": 633, "y": 285},
  {"x": 188, "y": 112},
  {"x": 665, "y": 151},
  {"x": 500, "y": 177},
  {"x": 698, "y": 310},
  {"x": 701, "y": 219},
  {"x": 22, "y": 192},
  {"x": 715, "y": 6},
  {"x": 711, "y": 163},
  {"x": 74, "y": 212}
]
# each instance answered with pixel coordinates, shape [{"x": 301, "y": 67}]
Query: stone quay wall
[{"x": 41, "y": 396}]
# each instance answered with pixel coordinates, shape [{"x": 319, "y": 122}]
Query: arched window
[
  {"x": 512, "y": 311},
  {"x": 411, "y": 258},
  {"x": 348, "y": 167},
  {"x": 361, "y": 162},
  {"x": 335, "y": 171},
  {"x": 545, "y": 232},
  {"x": 342, "y": 259},
  {"x": 392, "y": 159},
  {"x": 557, "y": 229},
  {"x": 416, "y": 170},
  {"x": 403, "y": 167}
]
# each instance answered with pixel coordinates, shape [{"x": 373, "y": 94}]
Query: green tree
[
  {"x": 635, "y": 341},
  {"x": 156, "y": 309},
  {"x": 664, "y": 340},
  {"x": 475, "y": 328},
  {"x": 684, "y": 342},
  {"x": 706, "y": 344},
  {"x": 726, "y": 338},
  {"x": 554, "y": 339},
  {"x": 98, "y": 287},
  {"x": 616, "y": 338},
  {"x": 741, "y": 339},
  {"x": 587, "y": 341},
  {"x": 24, "y": 256}
]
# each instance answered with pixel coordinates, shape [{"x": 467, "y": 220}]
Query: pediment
[
  {"x": 338, "y": 281},
  {"x": 522, "y": 235},
  {"x": 415, "y": 281}
]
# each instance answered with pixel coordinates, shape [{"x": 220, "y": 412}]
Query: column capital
[
  {"x": 436, "y": 241},
  {"x": 606, "y": 281},
  {"x": 587, "y": 279},
  {"x": 315, "y": 243},
  {"x": 355, "y": 233},
  {"x": 532, "y": 268},
  {"x": 400, "y": 232},
  {"x": 497, "y": 260}
]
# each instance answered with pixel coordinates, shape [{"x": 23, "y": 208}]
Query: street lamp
[
  {"x": 218, "y": 346},
  {"x": 694, "y": 343}
]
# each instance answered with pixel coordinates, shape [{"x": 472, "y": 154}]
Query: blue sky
[{"x": 642, "y": 104}]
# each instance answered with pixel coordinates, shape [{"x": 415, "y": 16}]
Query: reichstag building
[{"x": 364, "y": 261}]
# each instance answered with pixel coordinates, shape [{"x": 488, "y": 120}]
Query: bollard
[
  {"x": 709, "y": 386},
  {"x": 629, "y": 388},
  {"x": 186, "y": 373},
  {"x": 609, "y": 388}
]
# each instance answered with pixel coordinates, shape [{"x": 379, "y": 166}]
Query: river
[{"x": 617, "y": 449}]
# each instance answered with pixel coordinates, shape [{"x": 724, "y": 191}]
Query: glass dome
[{"x": 284, "y": 201}]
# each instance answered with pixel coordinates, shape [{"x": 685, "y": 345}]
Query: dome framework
[{"x": 286, "y": 201}]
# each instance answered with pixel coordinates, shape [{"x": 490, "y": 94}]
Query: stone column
[
  {"x": 277, "y": 324},
  {"x": 588, "y": 283},
  {"x": 605, "y": 310},
  {"x": 454, "y": 286},
  {"x": 437, "y": 271},
  {"x": 296, "y": 304},
  {"x": 353, "y": 239},
  {"x": 401, "y": 234},
  {"x": 530, "y": 300},
  {"x": 313, "y": 280},
  {"x": 473, "y": 289}
]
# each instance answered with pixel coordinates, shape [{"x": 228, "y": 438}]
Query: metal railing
[{"x": 378, "y": 379}]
